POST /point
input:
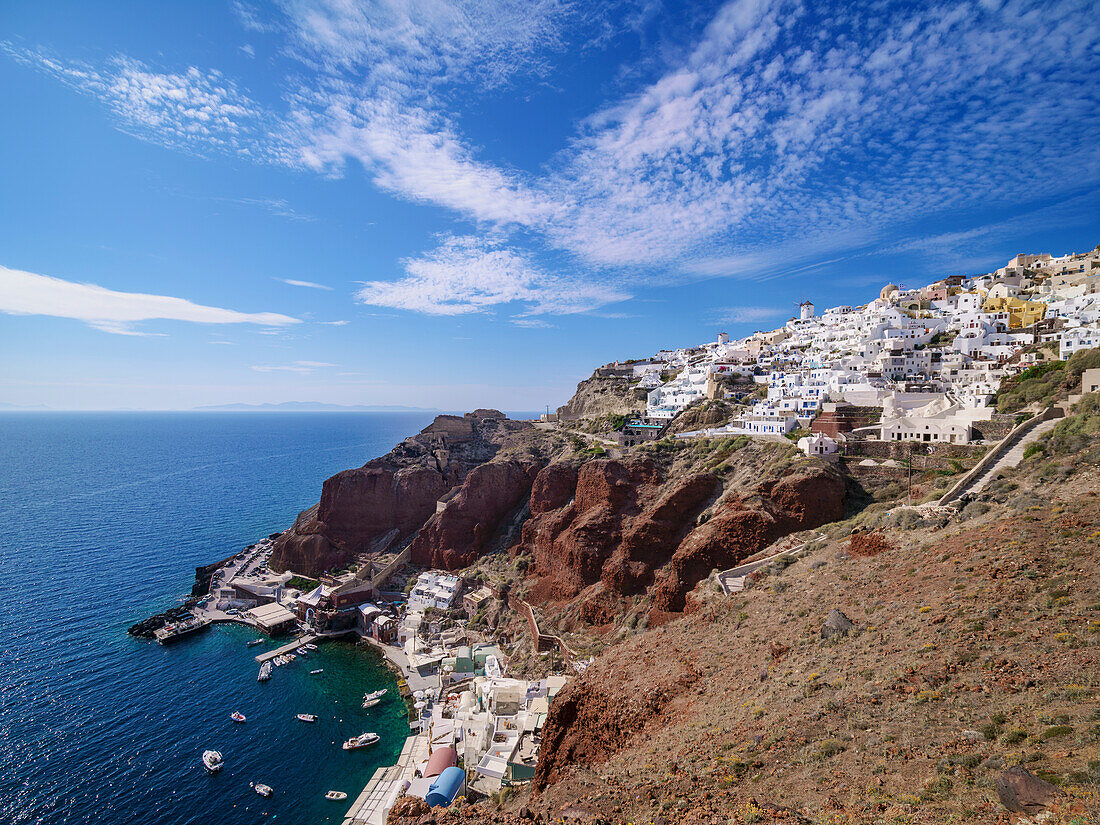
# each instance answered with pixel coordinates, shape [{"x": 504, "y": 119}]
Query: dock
[
  {"x": 370, "y": 807},
  {"x": 287, "y": 648}
]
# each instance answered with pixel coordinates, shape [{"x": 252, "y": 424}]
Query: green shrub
[{"x": 1055, "y": 732}]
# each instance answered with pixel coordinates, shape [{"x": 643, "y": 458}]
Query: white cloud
[
  {"x": 467, "y": 274},
  {"x": 26, "y": 293},
  {"x": 192, "y": 109},
  {"x": 747, "y": 315},
  {"x": 531, "y": 323},
  {"x": 307, "y": 284},
  {"x": 334, "y": 323},
  {"x": 301, "y": 367},
  {"x": 789, "y": 134}
]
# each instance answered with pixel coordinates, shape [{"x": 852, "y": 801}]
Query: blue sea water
[{"x": 105, "y": 517}]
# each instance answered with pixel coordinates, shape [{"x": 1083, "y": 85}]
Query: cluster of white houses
[{"x": 931, "y": 358}]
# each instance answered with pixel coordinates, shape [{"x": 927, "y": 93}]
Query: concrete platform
[
  {"x": 369, "y": 807},
  {"x": 287, "y": 648}
]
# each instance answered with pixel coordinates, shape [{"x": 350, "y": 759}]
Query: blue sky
[{"x": 475, "y": 203}]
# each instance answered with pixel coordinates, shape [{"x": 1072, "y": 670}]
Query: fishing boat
[
  {"x": 237, "y": 716},
  {"x": 315, "y": 672},
  {"x": 337, "y": 795},
  {"x": 265, "y": 672},
  {"x": 212, "y": 761},
  {"x": 361, "y": 741},
  {"x": 261, "y": 788},
  {"x": 254, "y": 642},
  {"x": 307, "y": 717}
]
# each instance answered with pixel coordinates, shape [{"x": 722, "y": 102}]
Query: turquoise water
[{"x": 105, "y": 518}]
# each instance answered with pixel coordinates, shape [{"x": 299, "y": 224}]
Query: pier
[
  {"x": 287, "y": 648},
  {"x": 372, "y": 805}
]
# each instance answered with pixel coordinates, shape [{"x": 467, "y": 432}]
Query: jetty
[
  {"x": 287, "y": 648},
  {"x": 372, "y": 805}
]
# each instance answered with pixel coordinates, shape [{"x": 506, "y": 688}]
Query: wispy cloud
[
  {"x": 788, "y": 135},
  {"x": 466, "y": 274},
  {"x": 531, "y": 323},
  {"x": 334, "y": 323},
  {"x": 193, "y": 109},
  {"x": 276, "y": 206},
  {"x": 302, "y": 367},
  {"x": 26, "y": 293},
  {"x": 307, "y": 284},
  {"x": 747, "y": 315}
]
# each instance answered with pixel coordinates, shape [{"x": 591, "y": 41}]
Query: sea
[{"x": 105, "y": 517}]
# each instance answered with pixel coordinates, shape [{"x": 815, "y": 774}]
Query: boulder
[
  {"x": 1022, "y": 792},
  {"x": 836, "y": 625}
]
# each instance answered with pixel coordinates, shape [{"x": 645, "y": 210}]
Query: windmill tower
[{"x": 805, "y": 310}]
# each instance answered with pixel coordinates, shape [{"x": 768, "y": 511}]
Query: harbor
[
  {"x": 373, "y": 804},
  {"x": 290, "y": 647}
]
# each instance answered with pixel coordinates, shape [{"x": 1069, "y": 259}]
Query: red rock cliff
[
  {"x": 625, "y": 526},
  {"x": 397, "y": 491}
]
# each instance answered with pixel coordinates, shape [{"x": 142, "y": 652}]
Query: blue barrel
[{"x": 445, "y": 788}]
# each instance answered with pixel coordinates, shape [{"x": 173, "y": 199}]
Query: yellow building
[{"x": 1021, "y": 313}]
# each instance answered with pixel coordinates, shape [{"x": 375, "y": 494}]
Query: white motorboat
[
  {"x": 265, "y": 672},
  {"x": 361, "y": 741},
  {"x": 261, "y": 788},
  {"x": 315, "y": 672},
  {"x": 337, "y": 795},
  {"x": 254, "y": 642},
  {"x": 212, "y": 761},
  {"x": 310, "y": 646},
  {"x": 307, "y": 717},
  {"x": 237, "y": 716},
  {"x": 377, "y": 694}
]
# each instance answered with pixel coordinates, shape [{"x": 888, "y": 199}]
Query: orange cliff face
[
  {"x": 612, "y": 529},
  {"x": 397, "y": 491}
]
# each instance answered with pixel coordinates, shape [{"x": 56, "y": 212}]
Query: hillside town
[{"x": 915, "y": 364}]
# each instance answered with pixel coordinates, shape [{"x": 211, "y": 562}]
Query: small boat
[
  {"x": 265, "y": 672},
  {"x": 261, "y": 788},
  {"x": 337, "y": 795},
  {"x": 372, "y": 699},
  {"x": 307, "y": 717},
  {"x": 301, "y": 651},
  {"x": 361, "y": 741},
  {"x": 315, "y": 672},
  {"x": 254, "y": 642},
  {"x": 212, "y": 761},
  {"x": 311, "y": 646},
  {"x": 237, "y": 716}
]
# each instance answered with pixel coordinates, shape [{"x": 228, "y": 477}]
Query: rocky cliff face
[
  {"x": 620, "y": 528},
  {"x": 458, "y": 535},
  {"x": 398, "y": 491},
  {"x": 598, "y": 396}
]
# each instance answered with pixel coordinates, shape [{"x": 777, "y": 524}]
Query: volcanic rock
[{"x": 1022, "y": 792}]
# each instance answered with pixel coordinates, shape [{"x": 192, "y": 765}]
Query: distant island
[{"x": 312, "y": 406}]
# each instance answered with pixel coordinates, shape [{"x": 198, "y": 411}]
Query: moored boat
[
  {"x": 265, "y": 672},
  {"x": 176, "y": 630},
  {"x": 361, "y": 741},
  {"x": 261, "y": 788},
  {"x": 307, "y": 717},
  {"x": 372, "y": 699},
  {"x": 336, "y": 795},
  {"x": 237, "y": 716},
  {"x": 212, "y": 761}
]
